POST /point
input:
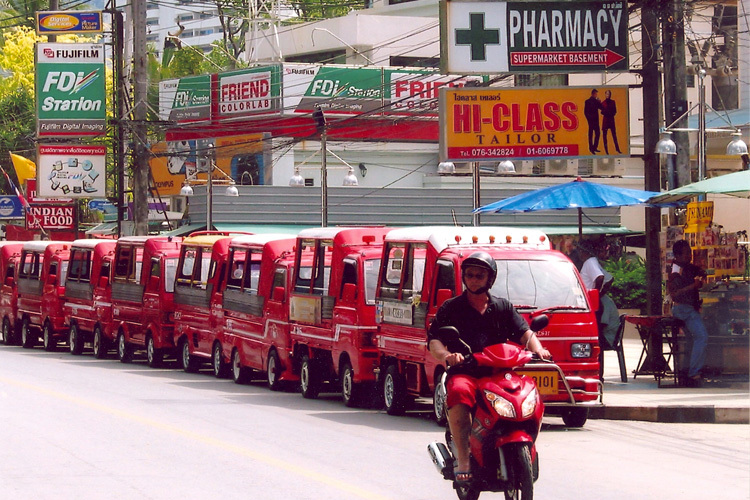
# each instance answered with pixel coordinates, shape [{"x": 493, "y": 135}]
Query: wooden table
[{"x": 651, "y": 331}]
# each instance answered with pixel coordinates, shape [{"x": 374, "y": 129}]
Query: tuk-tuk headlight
[
  {"x": 581, "y": 350},
  {"x": 528, "y": 407},
  {"x": 502, "y": 406}
]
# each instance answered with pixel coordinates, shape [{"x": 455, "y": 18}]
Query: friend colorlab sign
[{"x": 532, "y": 123}]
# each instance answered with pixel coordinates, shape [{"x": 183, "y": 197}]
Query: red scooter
[{"x": 505, "y": 425}]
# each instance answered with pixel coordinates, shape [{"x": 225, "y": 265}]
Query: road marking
[{"x": 269, "y": 460}]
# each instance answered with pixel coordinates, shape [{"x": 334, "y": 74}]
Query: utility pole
[
  {"x": 651, "y": 121},
  {"x": 119, "y": 96},
  {"x": 675, "y": 91},
  {"x": 140, "y": 139}
]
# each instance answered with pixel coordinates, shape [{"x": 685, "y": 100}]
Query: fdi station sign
[
  {"x": 527, "y": 37},
  {"x": 524, "y": 123},
  {"x": 70, "y": 90},
  {"x": 185, "y": 99}
]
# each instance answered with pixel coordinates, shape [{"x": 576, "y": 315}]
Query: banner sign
[
  {"x": 533, "y": 123},
  {"x": 255, "y": 91},
  {"x": 31, "y": 196},
  {"x": 51, "y": 216},
  {"x": 70, "y": 89},
  {"x": 417, "y": 92},
  {"x": 185, "y": 99},
  {"x": 69, "y": 21},
  {"x": 71, "y": 171},
  {"x": 10, "y": 207},
  {"x": 529, "y": 37}
]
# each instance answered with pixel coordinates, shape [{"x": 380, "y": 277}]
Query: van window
[
  {"x": 349, "y": 275},
  {"x": 372, "y": 266},
  {"x": 170, "y": 272},
  {"x": 236, "y": 261},
  {"x": 128, "y": 264},
  {"x": 106, "y": 269},
  {"x": 62, "y": 274},
  {"x": 194, "y": 270},
  {"x": 445, "y": 278},
  {"x": 403, "y": 274},
  {"x": 11, "y": 271},
  {"x": 538, "y": 284},
  {"x": 279, "y": 281},
  {"x": 393, "y": 268},
  {"x": 252, "y": 273},
  {"x": 316, "y": 278},
  {"x": 31, "y": 264},
  {"x": 80, "y": 266}
]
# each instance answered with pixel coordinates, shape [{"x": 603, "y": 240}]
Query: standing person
[
  {"x": 683, "y": 284},
  {"x": 481, "y": 320},
  {"x": 595, "y": 277},
  {"x": 609, "y": 110},
  {"x": 591, "y": 111}
]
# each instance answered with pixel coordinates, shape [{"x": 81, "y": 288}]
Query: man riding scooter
[{"x": 481, "y": 320}]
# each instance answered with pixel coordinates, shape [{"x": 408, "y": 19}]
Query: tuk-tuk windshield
[
  {"x": 538, "y": 284},
  {"x": 372, "y": 267}
]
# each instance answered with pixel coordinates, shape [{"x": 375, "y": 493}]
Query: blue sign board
[
  {"x": 10, "y": 207},
  {"x": 69, "y": 21},
  {"x": 102, "y": 206}
]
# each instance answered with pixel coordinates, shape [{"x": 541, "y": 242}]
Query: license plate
[{"x": 546, "y": 381}]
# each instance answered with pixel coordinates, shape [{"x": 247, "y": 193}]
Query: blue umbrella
[{"x": 577, "y": 194}]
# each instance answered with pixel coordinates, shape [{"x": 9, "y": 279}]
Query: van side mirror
[
  {"x": 349, "y": 293},
  {"x": 443, "y": 294},
  {"x": 279, "y": 294},
  {"x": 9, "y": 281},
  {"x": 153, "y": 281},
  {"x": 539, "y": 322},
  {"x": 594, "y": 299},
  {"x": 103, "y": 281},
  {"x": 52, "y": 279}
]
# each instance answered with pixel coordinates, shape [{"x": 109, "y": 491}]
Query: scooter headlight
[
  {"x": 528, "y": 407},
  {"x": 502, "y": 406}
]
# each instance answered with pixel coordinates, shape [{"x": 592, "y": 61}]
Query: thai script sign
[
  {"x": 532, "y": 123},
  {"x": 70, "y": 89},
  {"x": 71, "y": 171},
  {"x": 69, "y": 21},
  {"x": 527, "y": 37}
]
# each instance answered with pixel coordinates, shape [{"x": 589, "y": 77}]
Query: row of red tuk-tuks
[{"x": 334, "y": 309}]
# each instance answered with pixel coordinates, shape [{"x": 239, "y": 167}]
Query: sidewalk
[{"x": 724, "y": 400}]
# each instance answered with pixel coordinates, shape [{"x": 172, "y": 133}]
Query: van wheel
[
  {"x": 439, "y": 400},
  {"x": 74, "y": 339},
  {"x": 309, "y": 378},
  {"x": 50, "y": 343},
  {"x": 7, "y": 332},
  {"x": 188, "y": 362},
  {"x": 221, "y": 370},
  {"x": 124, "y": 351},
  {"x": 153, "y": 355},
  {"x": 240, "y": 374},
  {"x": 100, "y": 347},
  {"x": 28, "y": 339},
  {"x": 575, "y": 417},
  {"x": 273, "y": 368},
  {"x": 394, "y": 391},
  {"x": 351, "y": 393}
]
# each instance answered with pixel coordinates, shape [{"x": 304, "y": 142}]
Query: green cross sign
[{"x": 477, "y": 36}]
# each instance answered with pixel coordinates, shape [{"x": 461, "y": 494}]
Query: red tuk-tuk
[
  {"x": 142, "y": 297},
  {"x": 421, "y": 268},
  {"x": 10, "y": 252},
  {"x": 88, "y": 294},
  {"x": 41, "y": 292},
  {"x": 332, "y": 309},
  {"x": 255, "y": 334}
]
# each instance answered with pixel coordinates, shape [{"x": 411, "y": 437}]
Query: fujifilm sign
[{"x": 71, "y": 95}]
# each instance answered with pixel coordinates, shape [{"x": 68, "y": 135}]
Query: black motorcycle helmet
[{"x": 483, "y": 260}]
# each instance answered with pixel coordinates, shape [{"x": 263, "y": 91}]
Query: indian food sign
[{"x": 531, "y": 123}]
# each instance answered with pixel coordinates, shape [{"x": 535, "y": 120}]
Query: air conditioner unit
[
  {"x": 463, "y": 168},
  {"x": 525, "y": 167},
  {"x": 609, "y": 167},
  {"x": 561, "y": 167},
  {"x": 586, "y": 166}
]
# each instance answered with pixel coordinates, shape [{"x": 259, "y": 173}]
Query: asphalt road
[{"x": 80, "y": 428}]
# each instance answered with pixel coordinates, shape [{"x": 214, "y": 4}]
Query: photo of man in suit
[
  {"x": 609, "y": 110},
  {"x": 591, "y": 112}
]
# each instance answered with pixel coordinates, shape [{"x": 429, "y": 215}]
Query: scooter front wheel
[
  {"x": 467, "y": 492},
  {"x": 518, "y": 456}
]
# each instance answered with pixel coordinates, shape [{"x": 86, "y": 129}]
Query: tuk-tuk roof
[
  {"x": 258, "y": 239},
  {"x": 89, "y": 243},
  {"x": 204, "y": 240},
  {"x": 441, "y": 237}
]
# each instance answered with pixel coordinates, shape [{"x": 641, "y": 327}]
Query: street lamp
[
  {"x": 232, "y": 191},
  {"x": 666, "y": 145}
]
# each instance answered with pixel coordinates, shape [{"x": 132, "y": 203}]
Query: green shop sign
[
  {"x": 185, "y": 99},
  {"x": 70, "y": 90}
]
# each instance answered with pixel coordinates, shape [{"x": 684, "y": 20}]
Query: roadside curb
[{"x": 673, "y": 414}]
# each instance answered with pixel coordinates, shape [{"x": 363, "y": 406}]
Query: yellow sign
[
  {"x": 700, "y": 213},
  {"x": 493, "y": 124},
  {"x": 166, "y": 182}
]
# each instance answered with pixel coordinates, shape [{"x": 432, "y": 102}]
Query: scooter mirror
[
  {"x": 539, "y": 322},
  {"x": 449, "y": 336}
]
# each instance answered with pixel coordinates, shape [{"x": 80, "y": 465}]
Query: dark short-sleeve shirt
[
  {"x": 499, "y": 323},
  {"x": 685, "y": 278}
]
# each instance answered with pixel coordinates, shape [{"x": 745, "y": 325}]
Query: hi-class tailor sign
[
  {"x": 533, "y": 123},
  {"x": 71, "y": 171},
  {"x": 70, "y": 89},
  {"x": 527, "y": 37}
]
